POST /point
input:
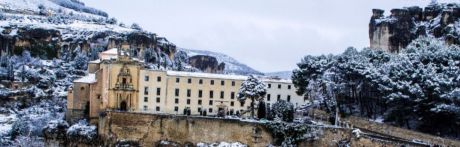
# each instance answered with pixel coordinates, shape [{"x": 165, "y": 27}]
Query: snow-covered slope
[
  {"x": 62, "y": 6},
  {"x": 281, "y": 74},
  {"x": 232, "y": 66}
]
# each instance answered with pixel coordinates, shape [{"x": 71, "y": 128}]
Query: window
[
  {"x": 289, "y": 98},
  {"x": 158, "y": 99},
  {"x": 210, "y": 110},
  {"x": 289, "y": 86},
  {"x": 212, "y": 82},
  {"x": 146, "y": 90},
  {"x": 222, "y": 82},
  {"x": 189, "y": 81},
  {"x": 210, "y": 102},
  {"x": 199, "y": 102},
  {"x": 176, "y": 108},
  {"x": 211, "y": 94},
  {"x": 269, "y": 85},
  {"x": 200, "y": 93},
  {"x": 82, "y": 88},
  {"x": 146, "y": 78},
  {"x": 200, "y": 81},
  {"x": 233, "y": 83},
  {"x": 157, "y": 108},
  {"x": 176, "y": 92},
  {"x": 241, "y": 104},
  {"x": 268, "y": 97},
  {"x": 188, "y": 101},
  {"x": 279, "y": 86},
  {"x": 199, "y": 110},
  {"x": 145, "y": 108},
  {"x": 221, "y": 94},
  {"x": 177, "y": 80},
  {"x": 232, "y": 103},
  {"x": 158, "y": 79},
  {"x": 189, "y": 92},
  {"x": 232, "y": 95},
  {"x": 176, "y": 101},
  {"x": 158, "y": 91},
  {"x": 146, "y": 99},
  {"x": 278, "y": 97}
]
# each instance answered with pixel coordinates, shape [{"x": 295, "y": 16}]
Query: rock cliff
[
  {"x": 396, "y": 31},
  {"x": 62, "y": 28}
]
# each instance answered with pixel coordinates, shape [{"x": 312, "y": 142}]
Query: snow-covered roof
[
  {"x": 90, "y": 78},
  {"x": 205, "y": 75},
  {"x": 113, "y": 51},
  {"x": 95, "y": 61},
  {"x": 221, "y": 76}
]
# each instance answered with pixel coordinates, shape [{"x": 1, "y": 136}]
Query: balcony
[{"x": 124, "y": 86}]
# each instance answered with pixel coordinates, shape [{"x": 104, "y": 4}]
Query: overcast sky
[{"x": 268, "y": 35}]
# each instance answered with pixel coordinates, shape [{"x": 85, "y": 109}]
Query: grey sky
[{"x": 268, "y": 35}]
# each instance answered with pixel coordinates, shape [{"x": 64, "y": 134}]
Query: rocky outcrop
[
  {"x": 206, "y": 64},
  {"x": 394, "y": 32}
]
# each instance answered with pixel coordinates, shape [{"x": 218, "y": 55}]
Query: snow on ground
[
  {"x": 75, "y": 25},
  {"x": 221, "y": 144},
  {"x": 32, "y": 6},
  {"x": 6, "y": 123},
  {"x": 379, "y": 119}
]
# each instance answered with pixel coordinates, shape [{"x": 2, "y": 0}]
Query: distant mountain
[
  {"x": 280, "y": 74},
  {"x": 232, "y": 66}
]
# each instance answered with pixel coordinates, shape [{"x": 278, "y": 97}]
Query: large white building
[{"x": 174, "y": 91}]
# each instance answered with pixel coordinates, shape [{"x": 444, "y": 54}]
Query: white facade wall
[{"x": 171, "y": 103}]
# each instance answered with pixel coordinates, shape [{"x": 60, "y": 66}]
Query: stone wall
[
  {"x": 399, "y": 132},
  {"x": 149, "y": 129}
]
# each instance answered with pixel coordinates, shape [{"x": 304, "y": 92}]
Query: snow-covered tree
[
  {"x": 82, "y": 132},
  {"x": 112, "y": 21},
  {"x": 252, "y": 88},
  {"x": 136, "y": 26},
  {"x": 283, "y": 110},
  {"x": 414, "y": 89},
  {"x": 81, "y": 61}
]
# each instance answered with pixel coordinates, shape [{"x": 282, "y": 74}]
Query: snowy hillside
[
  {"x": 36, "y": 6},
  {"x": 280, "y": 74},
  {"x": 231, "y": 65}
]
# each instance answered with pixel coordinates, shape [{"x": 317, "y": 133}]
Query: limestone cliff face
[
  {"x": 207, "y": 64},
  {"x": 394, "y": 32}
]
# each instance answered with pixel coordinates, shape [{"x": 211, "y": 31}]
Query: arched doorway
[{"x": 123, "y": 106}]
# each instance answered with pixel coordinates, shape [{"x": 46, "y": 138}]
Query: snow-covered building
[{"x": 119, "y": 82}]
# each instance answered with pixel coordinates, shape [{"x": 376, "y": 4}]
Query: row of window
[
  {"x": 189, "y": 80},
  {"x": 278, "y": 97},
  {"x": 146, "y": 99},
  {"x": 279, "y": 86},
  {"x": 147, "y": 78},
  {"x": 176, "y": 101},
  {"x": 176, "y": 109},
  {"x": 200, "y": 93},
  {"x": 146, "y": 91},
  {"x": 211, "y": 94}
]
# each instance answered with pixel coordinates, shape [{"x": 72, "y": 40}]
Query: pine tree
[
  {"x": 253, "y": 89},
  {"x": 261, "y": 110}
]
